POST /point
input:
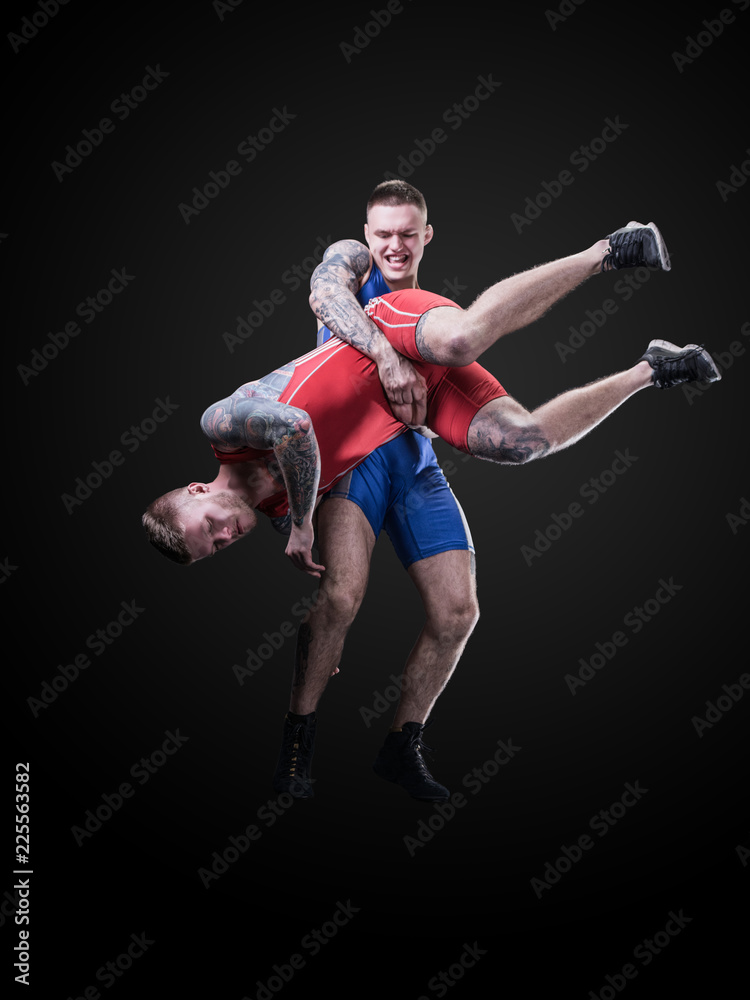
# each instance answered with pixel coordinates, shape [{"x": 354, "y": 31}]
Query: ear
[
  {"x": 428, "y": 234},
  {"x": 196, "y": 488},
  {"x": 367, "y": 234}
]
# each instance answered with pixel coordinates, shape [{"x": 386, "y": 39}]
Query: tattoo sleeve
[
  {"x": 245, "y": 420},
  {"x": 333, "y": 289}
]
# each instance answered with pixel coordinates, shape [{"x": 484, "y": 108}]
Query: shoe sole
[
  {"x": 661, "y": 247},
  {"x": 417, "y": 798},
  {"x": 666, "y": 345}
]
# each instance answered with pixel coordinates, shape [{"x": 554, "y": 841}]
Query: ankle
[
  {"x": 643, "y": 374},
  {"x": 596, "y": 253}
]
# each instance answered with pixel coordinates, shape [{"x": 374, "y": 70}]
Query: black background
[{"x": 352, "y": 117}]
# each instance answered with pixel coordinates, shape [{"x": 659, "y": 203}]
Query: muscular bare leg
[
  {"x": 447, "y": 336},
  {"x": 345, "y": 541},
  {"x": 447, "y": 587},
  {"x": 504, "y": 431}
]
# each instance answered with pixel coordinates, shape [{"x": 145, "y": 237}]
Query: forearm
[
  {"x": 337, "y": 308},
  {"x": 299, "y": 460}
]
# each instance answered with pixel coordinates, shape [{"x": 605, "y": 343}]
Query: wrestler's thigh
[
  {"x": 447, "y": 585},
  {"x": 345, "y": 544}
]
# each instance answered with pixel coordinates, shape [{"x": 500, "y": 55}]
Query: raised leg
[
  {"x": 447, "y": 336},
  {"x": 504, "y": 431}
]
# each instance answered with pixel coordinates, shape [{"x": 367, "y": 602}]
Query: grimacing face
[
  {"x": 397, "y": 236},
  {"x": 215, "y": 519}
]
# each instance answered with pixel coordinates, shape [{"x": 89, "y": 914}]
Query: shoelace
[
  {"x": 418, "y": 745},
  {"x": 298, "y": 738},
  {"x": 665, "y": 366},
  {"x": 627, "y": 252}
]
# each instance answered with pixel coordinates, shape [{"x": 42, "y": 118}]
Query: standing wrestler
[{"x": 401, "y": 489}]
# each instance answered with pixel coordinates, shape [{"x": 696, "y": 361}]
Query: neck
[{"x": 252, "y": 480}]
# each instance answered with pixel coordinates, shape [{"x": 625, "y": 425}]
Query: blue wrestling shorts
[{"x": 402, "y": 489}]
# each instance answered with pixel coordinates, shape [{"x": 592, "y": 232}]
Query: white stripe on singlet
[
  {"x": 328, "y": 350},
  {"x": 399, "y": 312}
]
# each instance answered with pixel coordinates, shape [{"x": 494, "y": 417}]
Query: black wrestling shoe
[
  {"x": 293, "y": 767},
  {"x": 400, "y": 760},
  {"x": 636, "y": 245},
  {"x": 674, "y": 365}
]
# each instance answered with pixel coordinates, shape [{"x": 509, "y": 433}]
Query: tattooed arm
[
  {"x": 248, "y": 420},
  {"x": 334, "y": 285}
]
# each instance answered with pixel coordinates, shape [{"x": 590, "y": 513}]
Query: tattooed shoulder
[
  {"x": 344, "y": 263},
  {"x": 349, "y": 252}
]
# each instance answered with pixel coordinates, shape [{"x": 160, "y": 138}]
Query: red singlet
[{"x": 340, "y": 389}]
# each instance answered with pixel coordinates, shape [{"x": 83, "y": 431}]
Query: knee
[
  {"x": 504, "y": 432},
  {"x": 458, "y": 347},
  {"x": 456, "y": 621},
  {"x": 338, "y": 602},
  {"x": 443, "y": 337}
]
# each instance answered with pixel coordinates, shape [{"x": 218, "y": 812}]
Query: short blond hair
[{"x": 163, "y": 526}]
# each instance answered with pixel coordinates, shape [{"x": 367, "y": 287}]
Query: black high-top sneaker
[
  {"x": 674, "y": 365},
  {"x": 636, "y": 245},
  {"x": 293, "y": 767},
  {"x": 400, "y": 760}
]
